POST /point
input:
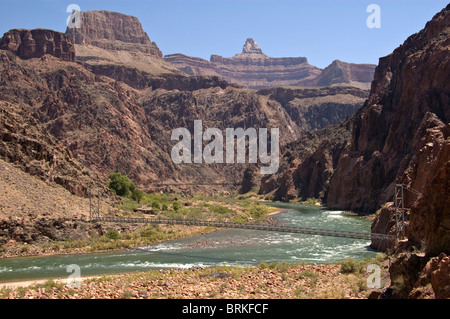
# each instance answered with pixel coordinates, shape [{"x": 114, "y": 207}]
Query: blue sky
[{"x": 321, "y": 30}]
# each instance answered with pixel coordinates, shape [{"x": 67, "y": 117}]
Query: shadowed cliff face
[
  {"x": 401, "y": 136},
  {"x": 409, "y": 96}
]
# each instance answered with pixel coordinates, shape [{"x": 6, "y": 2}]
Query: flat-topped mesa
[
  {"x": 112, "y": 31},
  {"x": 38, "y": 42},
  {"x": 252, "y": 55}
]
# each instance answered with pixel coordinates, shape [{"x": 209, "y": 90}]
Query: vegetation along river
[{"x": 235, "y": 247}]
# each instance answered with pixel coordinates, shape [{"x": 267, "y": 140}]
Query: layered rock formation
[
  {"x": 253, "y": 69},
  {"x": 107, "y": 39},
  {"x": 110, "y": 126},
  {"x": 36, "y": 43},
  {"x": 338, "y": 72},
  {"x": 316, "y": 108},
  {"x": 112, "y": 31}
]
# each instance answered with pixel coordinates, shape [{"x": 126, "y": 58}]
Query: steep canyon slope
[
  {"x": 115, "y": 104},
  {"x": 400, "y": 135}
]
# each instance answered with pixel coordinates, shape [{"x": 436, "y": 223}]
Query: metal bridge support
[
  {"x": 399, "y": 211},
  {"x": 94, "y": 213},
  {"x": 400, "y": 207}
]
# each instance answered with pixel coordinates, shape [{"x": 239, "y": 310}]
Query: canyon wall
[{"x": 36, "y": 43}]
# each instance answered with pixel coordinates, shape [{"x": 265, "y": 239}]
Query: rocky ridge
[
  {"x": 36, "y": 43},
  {"x": 316, "y": 108},
  {"x": 254, "y": 69}
]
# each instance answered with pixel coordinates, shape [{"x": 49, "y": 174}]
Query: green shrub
[
  {"x": 120, "y": 184},
  {"x": 176, "y": 206},
  {"x": 113, "y": 234},
  {"x": 239, "y": 219},
  {"x": 220, "y": 209},
  {"x": 257, "y": 211},
  {"x": 311, "y": 275},
  {"x": 165, "y": 207},
  {"x": 192, "y": 212},
  {"x": 137, "y": 195},
  {"x": 156, "y": 205},
  {"x": 350, "y": 266}
]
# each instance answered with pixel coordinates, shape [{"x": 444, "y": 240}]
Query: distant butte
[
  {"x": 251, "y": 46},
  {"x": 254, "y": 69}
]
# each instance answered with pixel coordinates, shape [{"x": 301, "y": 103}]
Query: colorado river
[{"x": 223, "y": 247}]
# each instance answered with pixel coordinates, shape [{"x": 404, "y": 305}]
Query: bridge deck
[{"x": 288, "y": 229}]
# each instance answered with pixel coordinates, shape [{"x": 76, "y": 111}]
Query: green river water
[{"x": 223, "y": 247}]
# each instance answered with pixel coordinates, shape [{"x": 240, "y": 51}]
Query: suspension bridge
[
  {"x": 221, "y": 224},
  {"x": 399, "y": 222}
]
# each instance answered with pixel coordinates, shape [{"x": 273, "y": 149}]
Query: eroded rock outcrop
[
  {"x": 112, "y": 31},
  {"x": 110, "y": 40},
  {"x": 414, "y": 276},
  {"x": 338, "y": 72},
  {"x": 38, "y": 42},
  {"x": 27, "y": 144},
  {"x": 251, "y": 46},
  {"x": 316, "y": 108}
]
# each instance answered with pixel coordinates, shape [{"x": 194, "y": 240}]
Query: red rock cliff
[
  {"x": 113, "y": 31},
  {"x": 401, "y": 136},
  {"x": 36, "y": 43}
]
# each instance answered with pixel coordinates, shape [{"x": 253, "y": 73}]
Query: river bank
[
  {"x": 266, "y": 281},
  {"x": 176, "y": 231},
  {"x": 96, "y": 238}
]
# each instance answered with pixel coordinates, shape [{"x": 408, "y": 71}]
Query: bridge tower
[
  {"x": 93, "y": 212},
  {"x": 400, "y": 207},
  {"x": 399, "y": 211}
]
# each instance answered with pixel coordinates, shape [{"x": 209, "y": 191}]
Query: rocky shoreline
[{"x": 274, "y": 281}]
